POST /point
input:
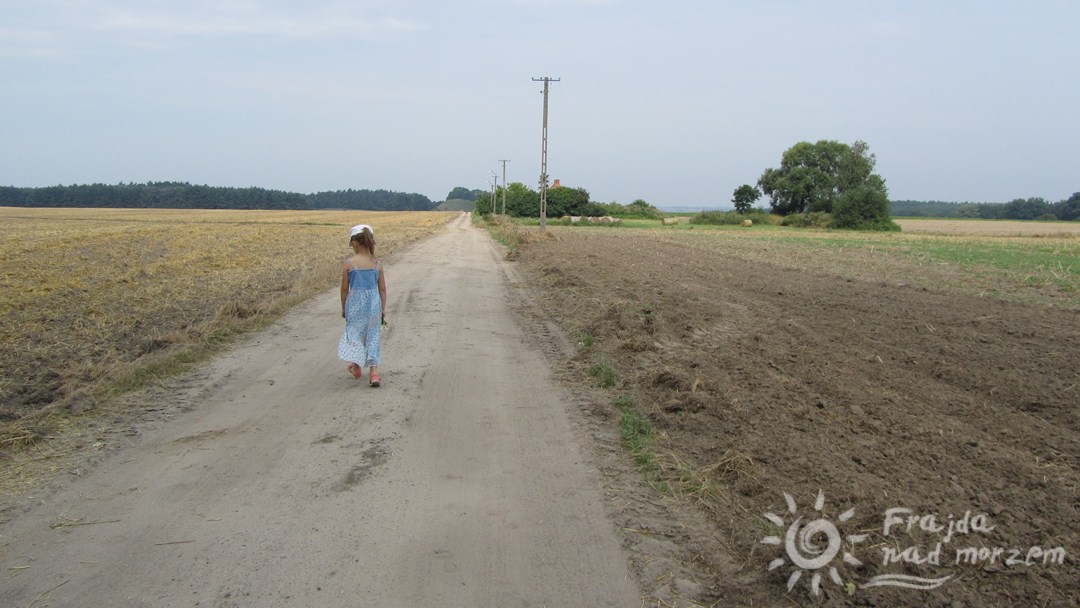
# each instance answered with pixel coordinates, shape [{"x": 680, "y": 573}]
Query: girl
[{"x": 363, "y": 300}]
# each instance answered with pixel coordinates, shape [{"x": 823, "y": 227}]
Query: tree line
[
  {"x": 835, "y": 184},
  {"x": 1017, "y": 209},
  {"x": 522, "y": 201},
  {"x": 374, "y": 200},
  {"x": 182, "y": 195}
]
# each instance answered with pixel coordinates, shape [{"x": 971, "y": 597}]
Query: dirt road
[{"x": 462, "y": 481}]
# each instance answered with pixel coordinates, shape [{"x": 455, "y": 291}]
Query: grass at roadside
[
  {"x": 97, "y": 302},
  {"x": 637, "y": 434},
  {"x": 510, "y": 232},
  {"x": 662, "y": 468},
  {"x": 604, "y": 373}
]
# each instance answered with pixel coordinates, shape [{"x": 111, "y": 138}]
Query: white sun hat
[{"x": 357, "y": 229}]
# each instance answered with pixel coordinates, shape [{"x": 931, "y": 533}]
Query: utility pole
[
  {"x": 543, "y": 154},
  {"x": 504, "y": 185},
  {"x": 494, "y": 191}
]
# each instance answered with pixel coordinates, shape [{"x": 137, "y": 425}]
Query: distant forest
[
  {"x": 1018, "y": 209},
  {"x": 182, "y": 195}
]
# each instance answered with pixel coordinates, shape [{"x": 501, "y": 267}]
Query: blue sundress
[{"x": 363, "y": 314}]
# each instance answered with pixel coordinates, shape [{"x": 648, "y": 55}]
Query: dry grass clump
[
  {"x": 513, "y": 234},
  {"x": 99, "y": 301}
]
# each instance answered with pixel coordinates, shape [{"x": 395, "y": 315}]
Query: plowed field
[{"x": 862, "y": 384}]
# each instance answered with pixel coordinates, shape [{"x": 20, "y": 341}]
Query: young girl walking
[{"x": 363, "y": 298}]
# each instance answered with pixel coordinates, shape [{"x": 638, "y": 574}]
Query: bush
[
  {"x": 733, "y": 218},
  {"x": 813, "y": 219},
  {"x": 760, "y": 216},
  {"x": 882, "y": 225},
  {"x": 642, "y": 210},
  {"x": 637, "y": 210},
  {"x": 566, "y": 220},
  {"x": 861, "y": 206},
  {"x": 720, "y": 218}
]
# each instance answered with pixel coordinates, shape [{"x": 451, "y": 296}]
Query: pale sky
[{"x": 675, "y": 102}]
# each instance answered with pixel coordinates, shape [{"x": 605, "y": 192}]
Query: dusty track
[{"x": 463, "y": 481}]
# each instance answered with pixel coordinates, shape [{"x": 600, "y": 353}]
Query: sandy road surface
[{"x": 461, "y": 482}]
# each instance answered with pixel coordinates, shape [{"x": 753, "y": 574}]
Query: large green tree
[
  {"x": 831, "y": 177},
  {"x": 522, "y": 201},
  {"x": 806, "y": 179},
  {"x": 744, "y": 197},
  {"x": 566, "y": 201},
  {"x": 483, "y": 204}
]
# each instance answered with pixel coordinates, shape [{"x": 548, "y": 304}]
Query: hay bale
[
  {"x": 748, "y": 223},
  {"x": 671, "y": 221}
]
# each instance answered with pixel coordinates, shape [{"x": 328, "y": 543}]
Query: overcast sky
[{"x": 675, "y": 102}]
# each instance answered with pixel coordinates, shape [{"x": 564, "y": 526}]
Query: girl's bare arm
[
  {"x": 382, "y": 288},
  {"x": 344, "y": 287}
]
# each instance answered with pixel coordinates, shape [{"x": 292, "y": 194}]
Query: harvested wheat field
[
  {"x": 834, "y": 419},
  {"x": 990, "y": 227},
  {"x": 98, "y": 301},
  {"x": 270, "y": 476}
]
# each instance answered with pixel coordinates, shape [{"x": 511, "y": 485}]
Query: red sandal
[
  {"x": 356, "y": 371},
  {"x": 375, "y": 379}
]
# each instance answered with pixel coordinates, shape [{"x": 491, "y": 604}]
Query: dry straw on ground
[
  {"x": 991, "y": 228},
  {"x": 97, "y": 301}
]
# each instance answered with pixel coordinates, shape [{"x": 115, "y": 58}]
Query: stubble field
[
  {"x": 98, "y": 301},
  {"x": 857, "y": 373},
  {"x": 990, "y": 227}
]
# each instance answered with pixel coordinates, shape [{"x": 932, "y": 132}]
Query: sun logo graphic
[{"x": 812, "y": 546}]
